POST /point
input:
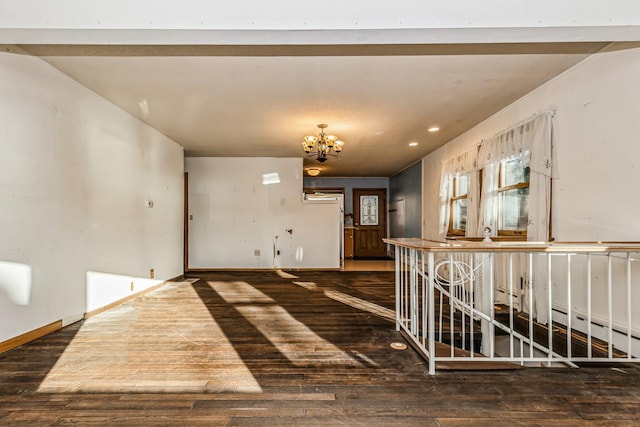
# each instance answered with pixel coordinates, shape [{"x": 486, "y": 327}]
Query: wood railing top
[{"x": 512, "y": 246}]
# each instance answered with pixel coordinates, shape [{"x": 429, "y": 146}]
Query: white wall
[
  {"x": 236, "y": 221},
  {"x": 75, "y": 172},
  {"x": 597, "y": 131}
]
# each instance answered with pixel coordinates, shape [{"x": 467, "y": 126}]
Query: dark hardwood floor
[{"x": 261, "y": 348}]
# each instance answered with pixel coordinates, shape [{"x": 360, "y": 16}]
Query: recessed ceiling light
[
  {"x": 413, "y": 144},
  {"x": 434, "y": 129}
]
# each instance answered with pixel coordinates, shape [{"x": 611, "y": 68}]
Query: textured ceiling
[{"x": 261, "y": 100}]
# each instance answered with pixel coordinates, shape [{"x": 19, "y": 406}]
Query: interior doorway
[{"x": 370, "y": 222}]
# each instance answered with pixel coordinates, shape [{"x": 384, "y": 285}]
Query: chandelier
[{"x": 323, "y": 144}]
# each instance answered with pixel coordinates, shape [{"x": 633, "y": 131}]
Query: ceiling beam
[
  {"x": 173, "y": 37},
  {"x": 331, "y": 22}
]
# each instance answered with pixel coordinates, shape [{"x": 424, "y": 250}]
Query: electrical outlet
[
  {"x": 151, "y": 273},
  {"x": 256, "y": 252},
  {"x": 132, "y": 286}
]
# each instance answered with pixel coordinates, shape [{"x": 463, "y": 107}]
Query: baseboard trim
[
  {"x": 214, "y": 269},
  {"x": 30, "y": 336},
  {"x": 14, "y": 342},
  {"x": 116, "y": 303}
]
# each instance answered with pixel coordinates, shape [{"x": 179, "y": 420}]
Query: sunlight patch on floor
[
  {"x": 361, "y": 304},
  {"x": 240, "y": 293},
  {"x": 351, "y": 301},
  {"x": 285, "y": 275},
  {"x": 295, "y": 340},
  {"x": 119, "y": 351},
  {"x": 307, "y": 285}
]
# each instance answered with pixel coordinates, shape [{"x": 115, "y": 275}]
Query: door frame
[{"x": 185, "y": 247}]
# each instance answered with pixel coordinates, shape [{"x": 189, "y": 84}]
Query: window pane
[
  {"x": 460, "y": 214},
  {"x": 462, "y": 185},
  {"x": 369, "y": 210},
  {"x": 514, "y": 209},
  {"x": 514, "y": 173}
]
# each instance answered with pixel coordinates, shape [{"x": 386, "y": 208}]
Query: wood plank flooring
[{"x": 282, "y": 349}]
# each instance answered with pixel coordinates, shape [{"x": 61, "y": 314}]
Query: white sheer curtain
[
  {"x": 473, "y": 204},
  {"x": 446, "y": 192},
  {"x": 543, "y": 169},
  {"x": 460, "y": 165},
  {"x": 488, "y": 211},
  {"x": 530, "y": 142},
  {"x": 538, "y": 228}
]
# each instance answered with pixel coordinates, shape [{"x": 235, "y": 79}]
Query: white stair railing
[{"x": 519, "y": 302}]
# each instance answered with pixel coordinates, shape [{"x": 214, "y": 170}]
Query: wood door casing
[
  {"x": 368, "y": 238},
  {"x": 185, "y": 230}
]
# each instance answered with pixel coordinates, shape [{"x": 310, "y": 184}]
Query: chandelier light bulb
[
  {"x": 310, "y": 140},
  {"x": 331, "y": 139}
]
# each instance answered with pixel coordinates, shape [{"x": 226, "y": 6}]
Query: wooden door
[{"x": 370, "y": 222}]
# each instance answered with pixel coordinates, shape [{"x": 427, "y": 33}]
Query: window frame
[{"x": 515, "y": 234}]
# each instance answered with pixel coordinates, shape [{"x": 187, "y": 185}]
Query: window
[
  {"x": 513, "y": 198},
  {"x": 491, "y": 186},
  {"x": 459, "y": 205}
]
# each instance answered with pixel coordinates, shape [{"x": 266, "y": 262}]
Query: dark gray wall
[{"x": 405, "y": 202}]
